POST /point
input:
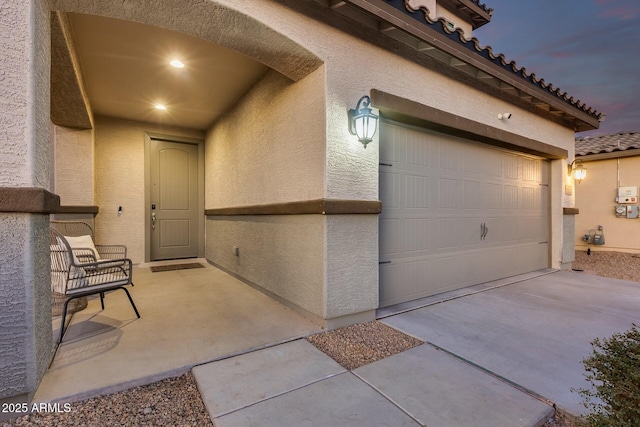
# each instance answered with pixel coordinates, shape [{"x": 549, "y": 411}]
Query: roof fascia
[
  {"x": 385, "y": 11},
  {"x": 478, "y": 16}
]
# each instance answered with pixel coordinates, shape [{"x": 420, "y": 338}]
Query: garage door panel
[
  {"x": 390, "y": 239},
  {"x": 492, "y": 196},
  {"x": 510, "y": 198},
  {"x": 510, "y": 166},
  {"x": 418, "y": 232},
  {"x": 449, "y": 191},
  {"x": 449, "y": 233},
  {"x": 456, "y": 213},
  {"x": 531, "y": 170},
  {"x": 417, "y": 190},
  {"x": 390, "y": 190},
  {"x": 450, "y": 155},
  {"x": 531, "y": 199},
  {"x": 471, "y": 195},
  {"x": 408, "y": 279},
  {"x": 418, "y": 151}
]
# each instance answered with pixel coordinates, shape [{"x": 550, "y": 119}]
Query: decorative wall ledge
[
  {"x": 309, "y": 207},
  {"x": 78, "y": 210},
  {"x": 28, "y": 200}
]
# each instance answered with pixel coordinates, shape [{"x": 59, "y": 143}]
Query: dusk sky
[{"x": 588, "y": 48}]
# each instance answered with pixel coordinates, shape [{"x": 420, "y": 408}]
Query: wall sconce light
[
  {"x": 579, "y": 171},
  {"x": 504, "y": 116},
  {"x": 362, "y": 121}
]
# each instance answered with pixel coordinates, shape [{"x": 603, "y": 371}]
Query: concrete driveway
[{"x": 534, "y": 333}]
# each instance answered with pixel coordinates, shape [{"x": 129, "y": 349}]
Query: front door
[{"x": 174, "y": 200}]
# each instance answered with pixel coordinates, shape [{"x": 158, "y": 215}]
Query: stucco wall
[
  {"x": 595, "y": 198},
  {"x": 283, "y": 254},
  {"x": 352, "y": 68},
  {"x": 119, "y": 175},
  {"x": 352, "y": 258},
  {"x": 73, "y": 164},
  {"x": 24, "y": 87},
  {"x": 25, "y": 314},
  {"x": 270, "y": 149},
  {"x": 25, "y": 305},
  {"x": 260, "y": 171}
]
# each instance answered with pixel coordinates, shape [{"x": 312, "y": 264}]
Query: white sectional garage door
[{"x": 456, "y": 213}]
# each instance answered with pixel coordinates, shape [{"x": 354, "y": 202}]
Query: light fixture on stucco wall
[
  {"x": 362, "y": 121},
  {"x": 579, "y": 171}
]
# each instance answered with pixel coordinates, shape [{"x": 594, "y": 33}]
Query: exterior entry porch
[{"x": 188, "y": 317}]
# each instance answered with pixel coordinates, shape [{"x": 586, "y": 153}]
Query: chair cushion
[{"x": 82, "y": 242}]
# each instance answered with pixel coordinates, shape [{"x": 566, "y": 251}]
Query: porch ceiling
[{"x": 126, "y": 71}]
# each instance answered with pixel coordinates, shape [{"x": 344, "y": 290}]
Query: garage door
[{"x": 456, "y": 213}]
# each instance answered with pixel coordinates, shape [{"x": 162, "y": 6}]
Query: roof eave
[
  {"x": 629, "y": 152},
  {"x": 469, "y": 10},
  {"x": 402, "y": 19}
]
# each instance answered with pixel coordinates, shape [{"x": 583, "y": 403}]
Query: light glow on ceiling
[
  {"x": 160, "y": 107},
  {"x": 176, "y": 63}
]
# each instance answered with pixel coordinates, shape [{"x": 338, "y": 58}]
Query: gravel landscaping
[
  {"x": 361, "y": 344},
  {"x": 618, "y": 265},
  {"x": 171, "y": 402},
  {"x": 176, "y": 401}
]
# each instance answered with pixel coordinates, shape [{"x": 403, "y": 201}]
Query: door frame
[{"x": 148, "y": 138}]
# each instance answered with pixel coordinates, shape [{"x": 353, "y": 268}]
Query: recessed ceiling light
[
  {"x": 176, "y": 63},
  {"x": 160, "y": 107}
]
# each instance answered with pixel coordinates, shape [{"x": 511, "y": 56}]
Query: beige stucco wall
[
  {"x": 271, "y": 148},
  {"x": 352, "y": 68},
  {"x": 73, "y": 165},
  {"x": 119, "y": 176},
  {"x": 283, "y": 254},
  {"x": 595, "y": 198},
  {"x": 293, "y": 143}
]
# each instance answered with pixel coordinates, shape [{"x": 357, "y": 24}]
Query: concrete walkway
[
  {"x": 295, "y": 384},
  {"x": 486, "y": 356}
]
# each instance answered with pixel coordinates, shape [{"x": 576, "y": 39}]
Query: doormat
[{"x": 174, "y": 267}]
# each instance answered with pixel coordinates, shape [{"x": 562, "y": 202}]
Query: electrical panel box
[
  {"x": 632, "y": 211},
  {"x": 627, "y": 195}
]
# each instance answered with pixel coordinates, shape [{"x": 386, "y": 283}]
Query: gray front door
[{"x": 174, "y": 200}]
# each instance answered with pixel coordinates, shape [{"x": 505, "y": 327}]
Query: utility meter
[
  {"x": 621, "y": 210},
  {"x": 627, "y": 195}
]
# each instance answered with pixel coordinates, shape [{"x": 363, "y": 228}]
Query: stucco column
[{"x": 25, "y": 297}]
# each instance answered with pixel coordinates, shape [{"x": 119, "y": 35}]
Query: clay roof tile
[{"x": 620, "y": 141}]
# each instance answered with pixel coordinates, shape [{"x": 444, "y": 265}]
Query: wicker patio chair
[{"x": 77, "y": 270}]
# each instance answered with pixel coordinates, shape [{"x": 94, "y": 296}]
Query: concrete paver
[
  {"x": 295, "y": 384},
  {"x": 342, "y": 400},
  {"x": 232, "y": 384},
  {"x": 440, "y": 390}
]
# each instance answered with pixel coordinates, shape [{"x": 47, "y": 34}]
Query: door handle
[
  {"x": 483, "y": 231},
  {"x": 153, "y": 220}
]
